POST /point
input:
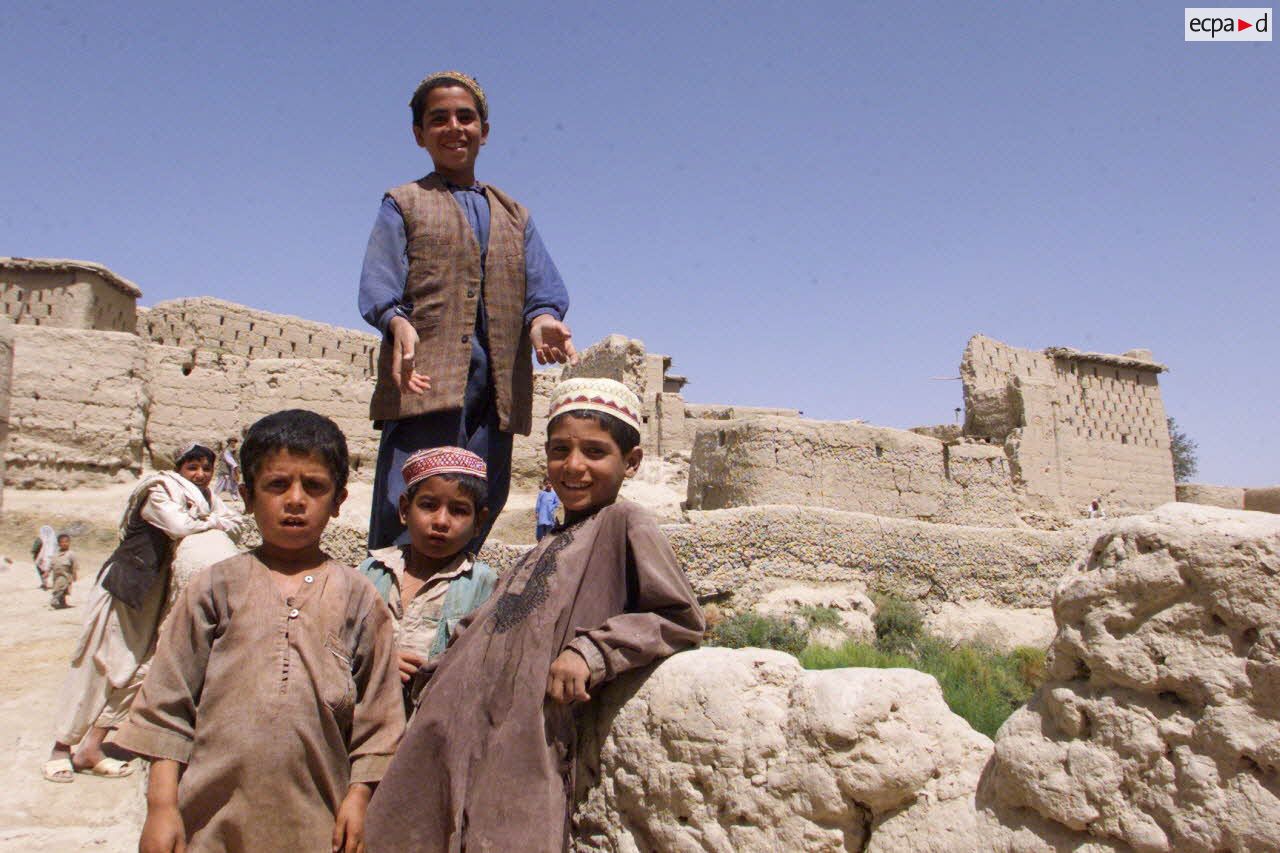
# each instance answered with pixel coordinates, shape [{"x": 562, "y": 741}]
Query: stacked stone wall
[
  {"x": 1076, "y": 426},
  {"x": 849, "y": 466},
  {"x": 1226, "y": 497},
  {"x": 211, "y": 396},
  {"x": 68, "y": 298},
  {"x": 213, "y": 324},
  {"x": 78, "y": 407}
]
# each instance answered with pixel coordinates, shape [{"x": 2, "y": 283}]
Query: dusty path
[{"x": 38, "y": 816}]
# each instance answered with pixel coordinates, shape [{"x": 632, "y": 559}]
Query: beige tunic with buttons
[{"x": 274, "y": 705}]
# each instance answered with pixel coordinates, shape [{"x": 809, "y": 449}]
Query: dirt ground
[{"x": 36, "y": 643}]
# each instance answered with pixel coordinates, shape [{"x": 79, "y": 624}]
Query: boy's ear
[
  {"x": 484, "y": 132},
  {"x": 633, "y": 460},
  {"x": 482, "y": 517},
  {"x": 245, "y": 496},
  {"x": 338, "y": 498},
  {"x": 419, "y": 137},
  {"x": 404, "y": 509}
]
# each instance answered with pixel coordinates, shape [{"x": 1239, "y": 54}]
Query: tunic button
[
  {"x": 309, "y": 579},
  {"x": 293, "y": 614},
  {"x": 466, "y": 338},
  {"x": 471, "y": 293}
]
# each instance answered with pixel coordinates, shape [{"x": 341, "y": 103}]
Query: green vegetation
[
  {"x": 1185, "y": 452},
  {"x": 762, "y": 632},
  {"x": 898, "y": 623},
  {"x": 820, "y": 617},
  {"x": 979, "y": 684}
]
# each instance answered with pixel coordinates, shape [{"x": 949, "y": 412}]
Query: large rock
[
  {"x": 1159, "y": 724},
  {"x": 742, "y": 750}
]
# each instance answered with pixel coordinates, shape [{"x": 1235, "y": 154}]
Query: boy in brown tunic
[
  {"x": 275, "y": 684},
  {"x": 487, "y": 762}
]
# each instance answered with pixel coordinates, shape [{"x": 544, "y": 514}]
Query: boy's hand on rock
[
  {"x": 404, "y": 339},
  {"x": 567, "y": 681},
  {"x": 552, "y": 341},
  {"x": 348, "y": 827},
  {"x": 163, "y": 831},
  {"x": 410, "y": 663}
]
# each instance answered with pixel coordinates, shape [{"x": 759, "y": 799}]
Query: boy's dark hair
[
  {"x": 623, "y": 434},
  {"x": 197, "y": 452},
  {"x": 418, "y": 103},
  {"x": 298, "y": 431},
  {"x": 66, "y": 536},
  {"x": 474, "y": 488}
]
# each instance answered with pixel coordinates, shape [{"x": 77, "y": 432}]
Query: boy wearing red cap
[
  {"x": 434, "y": 581},
  {"x": 461, "y": 287}
]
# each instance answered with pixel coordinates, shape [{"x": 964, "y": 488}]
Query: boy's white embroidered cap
[{"x": 597, "y": 395}]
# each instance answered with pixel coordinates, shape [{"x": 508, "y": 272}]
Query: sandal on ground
[
  {"x": 111, "y": 768},
  {"x": 59, "y": 770}
]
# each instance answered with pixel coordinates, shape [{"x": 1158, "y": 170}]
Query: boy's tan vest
[{"x": 443, "y": 285}]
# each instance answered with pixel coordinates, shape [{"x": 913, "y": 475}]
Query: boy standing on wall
[{"x": 461, "y": 286}]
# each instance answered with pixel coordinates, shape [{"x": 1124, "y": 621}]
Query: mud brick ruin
[{"x": 96, "y": 389}]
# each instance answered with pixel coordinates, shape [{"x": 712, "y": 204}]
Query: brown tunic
[
  {"x": 274, "y": 705},
  {"x": 487, "y": 761}
]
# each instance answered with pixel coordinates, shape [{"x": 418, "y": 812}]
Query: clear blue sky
[{"x": 807, "y": 205}]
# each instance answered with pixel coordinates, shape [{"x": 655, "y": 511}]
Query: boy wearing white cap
[{"x": 601, "y": 594}]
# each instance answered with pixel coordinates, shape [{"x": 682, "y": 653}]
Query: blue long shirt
[
  {"x": 547, "y": 504},
  {"x": 386, "y": 269}
]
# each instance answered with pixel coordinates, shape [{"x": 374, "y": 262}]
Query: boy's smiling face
[
  {"x": 293, "y": 499},
  {"x": 452, "y": 132},
  {"x": 585, "y": 465},
  {"x": 198, "y": 470}
]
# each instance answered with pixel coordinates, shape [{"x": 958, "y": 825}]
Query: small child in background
[
  {"x": 122, "y": 613},
  {"x": 63, "y": 571},
  {"x": 546, "y": 508},
  {"x": 487, "y": 761},
  {"x": 274, "y": 688},
  {"x": 432, "y": 582},
  {"x": 42, "y": 551},
  {"x": 229, "y": 469}
]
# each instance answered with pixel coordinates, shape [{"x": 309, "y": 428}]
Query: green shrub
[
  {"x": 982, "y": 686},
  {"x": 820, "y": 617},
  {"x": 763, "y": 632},
  {"x": 898, "y": 624}
]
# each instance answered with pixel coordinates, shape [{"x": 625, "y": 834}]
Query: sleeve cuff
[
  {"x": 369, "y": 768},
  {"x": 591, "y": 654},
  {"x": 384, "y": 322},
  {"x": 152, "y": 742},
  {"x": 538, "y": 312}
]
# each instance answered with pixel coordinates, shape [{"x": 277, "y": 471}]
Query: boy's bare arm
[{"x": 163, "y": 831}]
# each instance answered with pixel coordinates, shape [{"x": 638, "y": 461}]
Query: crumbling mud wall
[
  {"x": 66, "y": 294},
  {"x": 217, "y": 325},
  {"x": 78, "y": 406},
  {"x": 849, "y": 466},
  {"x": 1076, "y": 426}
]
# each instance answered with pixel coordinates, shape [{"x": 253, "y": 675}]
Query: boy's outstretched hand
[
  {"x": 404, "y": 339},
  {"x": 567, "y": 681},
  {"x": 552, "y": 341},
  {"x": 348, "y": 829}
]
